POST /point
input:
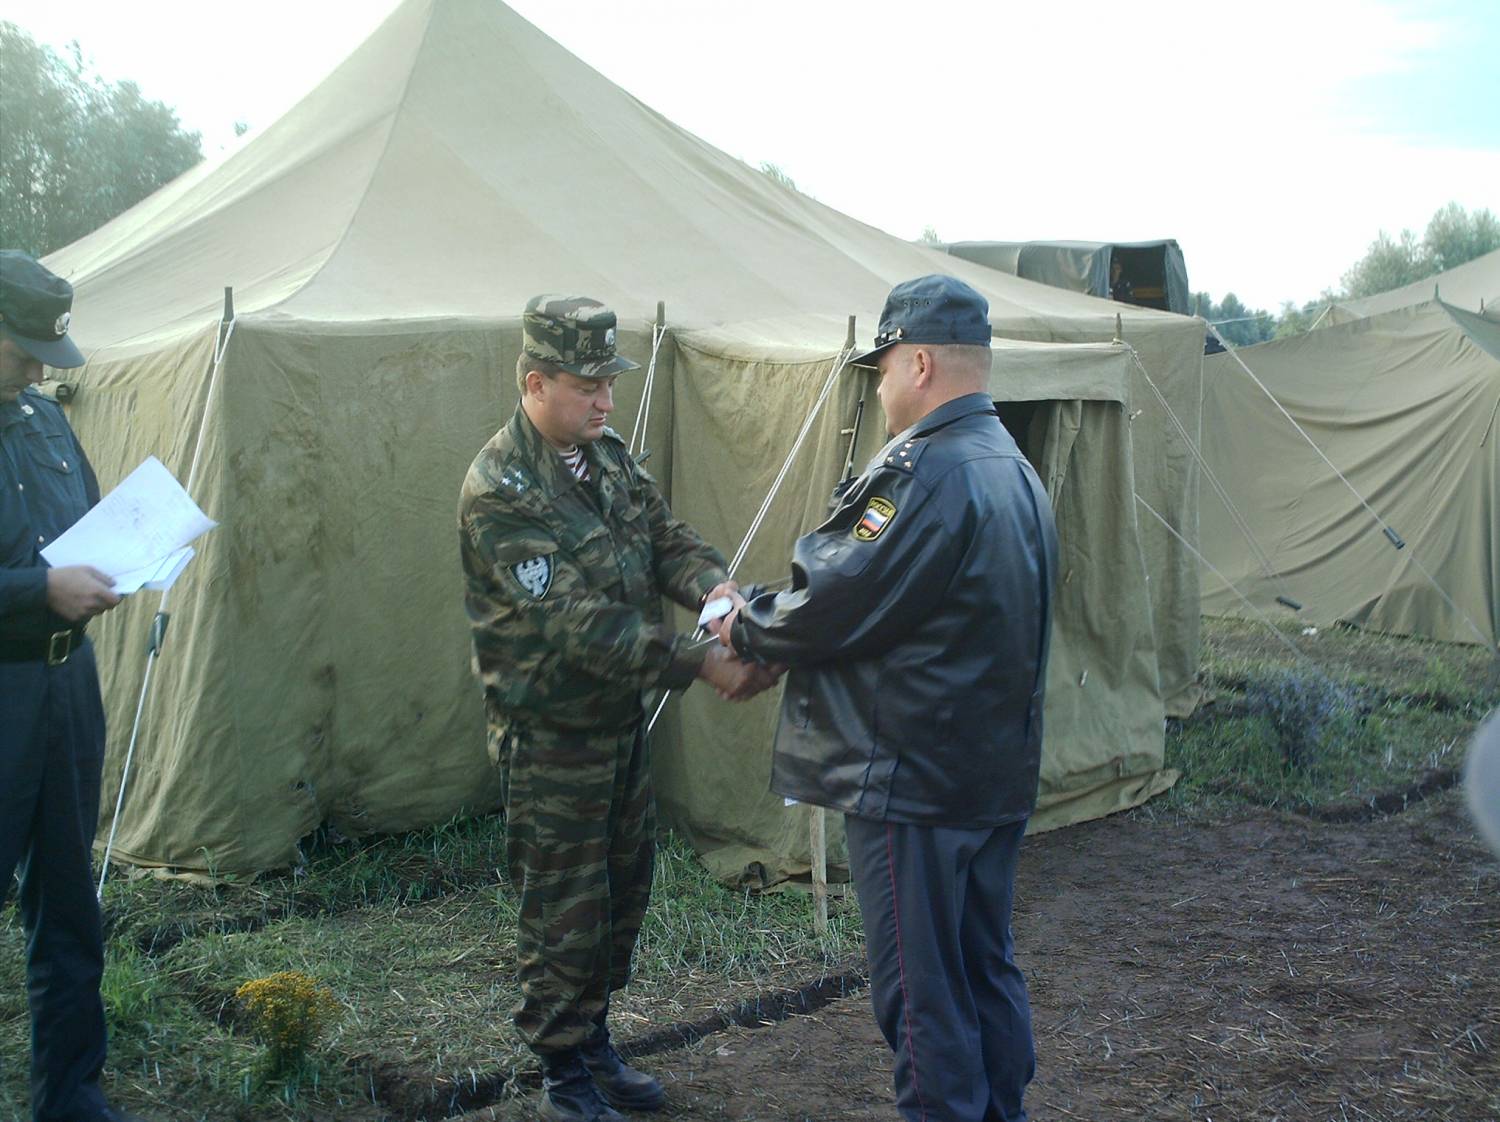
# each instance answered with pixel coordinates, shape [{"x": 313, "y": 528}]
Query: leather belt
[{"x": 54, "y": 649}]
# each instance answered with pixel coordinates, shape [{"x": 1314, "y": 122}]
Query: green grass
[
  {"x": 421, "y": 959},
  {"x": 1401, "y": 709}
]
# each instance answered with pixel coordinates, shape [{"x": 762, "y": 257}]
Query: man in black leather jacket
[{"x": 916, "y": 630}]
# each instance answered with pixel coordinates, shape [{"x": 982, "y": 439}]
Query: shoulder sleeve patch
[
  {"x": 879, "y": 513},
  {"x": 534, "y": 575}
]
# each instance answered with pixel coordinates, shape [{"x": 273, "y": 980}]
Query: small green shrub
[{"x": 1300, "y": 710}]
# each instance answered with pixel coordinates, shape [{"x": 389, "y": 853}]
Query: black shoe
[
  {"x": 569, "y": 1094},
  {"x": 619, "y": 1083}
]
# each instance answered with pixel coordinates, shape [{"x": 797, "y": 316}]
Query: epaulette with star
[{"x": 903, "y": 456}]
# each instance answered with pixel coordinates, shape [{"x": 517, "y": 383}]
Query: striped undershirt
[{"x": 577, "y": 463}]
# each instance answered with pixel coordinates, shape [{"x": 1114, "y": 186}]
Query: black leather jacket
[
  {"x": 917, "y": 628},
  {"x": 46, "y": 485}
]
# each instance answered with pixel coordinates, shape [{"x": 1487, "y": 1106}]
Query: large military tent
[
  {"x": 1155, "y": 271},
  {"x": 1404, "y": 403},
  {"x": 1474, "y": 285},
  {"x": 380, "y": 240}
]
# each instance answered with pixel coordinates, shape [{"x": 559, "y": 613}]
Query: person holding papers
[{"x": 51, "y": 716}]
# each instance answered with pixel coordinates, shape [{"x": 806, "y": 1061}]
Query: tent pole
[
  {"x": 817, "y": 819},
  {"x": 840, "y": 362},
  {"x": 637, "y": 444},
  {"x": 158, "y": 633}
]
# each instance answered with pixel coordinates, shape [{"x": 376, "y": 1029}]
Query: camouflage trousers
[{"x": 581, "y": 831}]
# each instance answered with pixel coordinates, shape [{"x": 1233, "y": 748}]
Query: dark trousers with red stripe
[
  {"x": 952, "y": 1004},
  {"x": 51, "y": 753}
]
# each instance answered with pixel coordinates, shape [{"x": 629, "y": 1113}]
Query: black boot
[
  {"x": 619, "y": 1083},
  {"x": 569, "y": 1094}
]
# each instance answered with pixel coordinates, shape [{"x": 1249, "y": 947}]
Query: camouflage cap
[{"x": 575, "y": 333}]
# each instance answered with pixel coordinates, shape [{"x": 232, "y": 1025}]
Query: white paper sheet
[
  {"x": 715, "y": 609},
  {"x": 138, "y": 533}
]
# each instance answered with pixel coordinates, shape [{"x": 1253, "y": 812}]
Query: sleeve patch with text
[{"x": 877, "y": 516}]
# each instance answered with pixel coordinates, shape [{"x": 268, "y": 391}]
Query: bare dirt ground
[{"x": 1270, "y": 967}]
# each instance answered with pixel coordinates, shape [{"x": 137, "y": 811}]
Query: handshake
[{"x": 734, "y": 678}]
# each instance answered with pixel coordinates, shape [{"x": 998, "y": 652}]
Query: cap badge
[
  {"x": 60, "y": 328},
  {"x": 609, "y": 337}
]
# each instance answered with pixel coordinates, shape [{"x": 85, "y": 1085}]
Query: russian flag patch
[{"x": 877, "y": 516}]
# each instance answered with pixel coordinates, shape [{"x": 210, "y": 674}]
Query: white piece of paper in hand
[
  {"x": 715, "y": 609},
  {"x": 139, "y": 533},
  {"x": 159, "y": 577}
]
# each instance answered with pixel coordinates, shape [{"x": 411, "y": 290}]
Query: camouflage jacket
[{"x": 563, "y": 582}]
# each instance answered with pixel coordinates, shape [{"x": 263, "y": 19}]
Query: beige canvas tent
[
  {"x": 1474, "y": 285},
  {"x": 1405, "y": 404},
  {"x": 381, "y": 240}
]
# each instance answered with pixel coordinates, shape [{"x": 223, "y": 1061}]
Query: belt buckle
[{"x": 59, "y": 647}]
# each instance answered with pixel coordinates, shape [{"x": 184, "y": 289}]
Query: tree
[
  {"x": 775, "y": 174},
  {"x": 1294, "y": 320},
  {"x": 1239, "y": 324},
  {"x": 76, "y": 151},
  {"x": 930, "y": 236},
  {"x": 1453, "y": 236},
  {"x": 1386, "y": 265}
]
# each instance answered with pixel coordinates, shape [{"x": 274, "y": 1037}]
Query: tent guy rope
[
  {"x": 643, "y": 414},
  {"x": 840, "y": 362},
  {"x": 159, "y": 621},
  {"x": 1196, "y": 448}
]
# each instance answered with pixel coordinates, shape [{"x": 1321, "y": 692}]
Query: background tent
[
  {"x": 381, "y": 240},
  {"x": 1155, "y": 272},
  {"x": 1474, "y": 286},
  {"x": 1405, "y": 404},
  {"x": 1069, "y": 408}
]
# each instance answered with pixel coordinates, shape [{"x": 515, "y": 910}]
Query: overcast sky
[{"x": 1271, "y": 140}]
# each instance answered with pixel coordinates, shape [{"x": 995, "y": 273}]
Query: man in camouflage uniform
[{"x": 568, "y": 547}]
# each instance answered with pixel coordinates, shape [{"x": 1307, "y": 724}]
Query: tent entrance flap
[{"x": 1027, "y": 423}]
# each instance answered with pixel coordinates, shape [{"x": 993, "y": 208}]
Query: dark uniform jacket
[
  {"x": 917, "y": 629},
  {"x": 46, "y": 485},
  {"x": 564, "y": 582}
]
